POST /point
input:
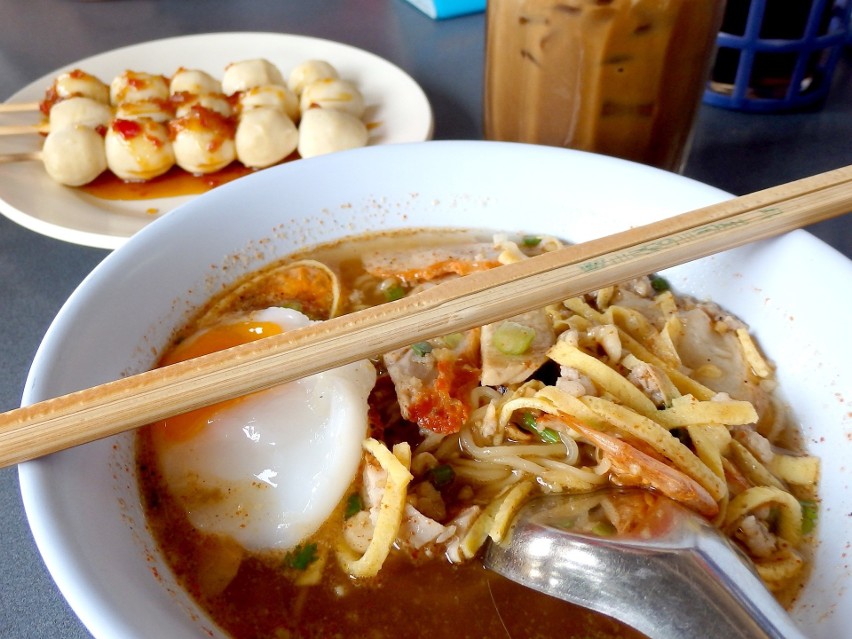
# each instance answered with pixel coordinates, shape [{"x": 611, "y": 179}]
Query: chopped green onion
[
  {"x": 442, "y": 476},
  {"x": 452, "y": 340},
  {"x": 528, "y": 420},
  {"x": 511, "y": 338},
  {"x": 546, "y": 435},
  {"x": 810, "y": 513},
  {"x": 421, "y": 348},
  {"x": 531, "y": 240},
  {"x": 354, "y": 505},
  {"x": 549, "y": 436},
  {"x": 301, "y": 556},
  {"x": 659, "y": 284},
  {"x": 395, "y": 292},
  {"x": 603, "y": 529}
]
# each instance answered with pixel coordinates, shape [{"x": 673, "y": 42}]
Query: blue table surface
[{"x": 734, "y": 151}]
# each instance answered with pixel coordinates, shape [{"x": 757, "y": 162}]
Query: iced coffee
[{"x": 619, "y": 77}]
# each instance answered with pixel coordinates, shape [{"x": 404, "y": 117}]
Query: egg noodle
[{"x": 633, "y": 404}]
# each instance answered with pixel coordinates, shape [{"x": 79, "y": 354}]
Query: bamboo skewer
[
  {"x": 23, "y": 129},
  {"x": 18, "y": 107},
  {"x": 21, "y": 157},
  {"x": 460, "y": 304}
]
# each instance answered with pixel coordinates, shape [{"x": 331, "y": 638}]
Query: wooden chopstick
[{"x": 460, "y": 304}]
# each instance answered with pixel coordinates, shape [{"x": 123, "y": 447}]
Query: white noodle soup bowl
[{"x": 83, "y": 505}]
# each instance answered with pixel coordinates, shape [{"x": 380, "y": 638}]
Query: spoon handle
[
  {"x": 740, "y": 591},
  {"x": 679, "y": 593},
  {"x": 687, "y": 582}
]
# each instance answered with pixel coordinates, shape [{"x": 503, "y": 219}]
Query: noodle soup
[{"x": 433, "y": 447}]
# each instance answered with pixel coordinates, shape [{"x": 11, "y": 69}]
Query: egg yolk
[{"x": 183, "y": 427}]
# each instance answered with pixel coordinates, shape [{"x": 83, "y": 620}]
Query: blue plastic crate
[{"x": 778, "y": 55}]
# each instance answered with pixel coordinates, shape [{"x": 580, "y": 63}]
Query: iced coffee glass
[{"x": 618, "y": 77}]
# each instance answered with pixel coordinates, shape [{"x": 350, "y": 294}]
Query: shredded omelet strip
[
  {"x": 390, "y": 511},
  {"x": 495, "y": 519}
]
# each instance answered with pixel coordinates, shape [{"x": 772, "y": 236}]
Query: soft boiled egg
[{"x": 266, "y": 469}]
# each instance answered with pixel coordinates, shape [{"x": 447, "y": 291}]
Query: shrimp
[{"x": 632, "y": 467}]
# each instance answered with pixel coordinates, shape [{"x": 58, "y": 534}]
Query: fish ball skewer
[
  {"x": 94, "y": 114},
  {"x": 330, "y": 93},
  {"x": 324, "y": 131},
  {"x": 203, "y": 141},
  {"x": 73, "y": 84},
  {"x": 244, "y": 75},
  {"x": 264, "y": 137},
  {"x": 158, "y": 110},
  {"x": 270, "y": 96},
  {"x": 184, "y": 102},
  {"x": 150, "y": 123},
  {"x": 194, "y": 82},
  {"x": 138, "y": 150},
  {"x": 137, "y": 86},
  {"x": 65, "y": 113},
  {"x": 79, "y": 110},
  {"x": 74, "y": 155},
  {"x": 309, "y": 72}
]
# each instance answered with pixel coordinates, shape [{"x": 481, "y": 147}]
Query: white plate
[
  {"x": 82, "y": 504},
  {"x": 29, "y": 197}
]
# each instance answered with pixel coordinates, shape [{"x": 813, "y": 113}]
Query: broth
[{"x": 426, "y": 598}]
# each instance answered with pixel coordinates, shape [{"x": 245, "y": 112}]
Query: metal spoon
[{"x": 670, "y": 575}]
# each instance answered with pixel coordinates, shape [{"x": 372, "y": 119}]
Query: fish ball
[
  {"x": 213, "y": 101},
  {"x": 136, "y": 86},
  {"x": 271, "y": 96},
  {"x": 157, "y": 110},
  {"x": 264, "y": 137},
  {"x": 309, "y": 72},
  {"x": 80, "y": 110},
  {"x": 203, "y": 141},
  {"x": 193, "y": 81},
  {"x": 341, "y": 95},
  {"x": 241, "y": 76},
  {"x": 326, "y": 130},
  {"x": 138, "y": 150},
  {"x": 74, "y": 155},
  {"x": 78, "y": 83}
]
